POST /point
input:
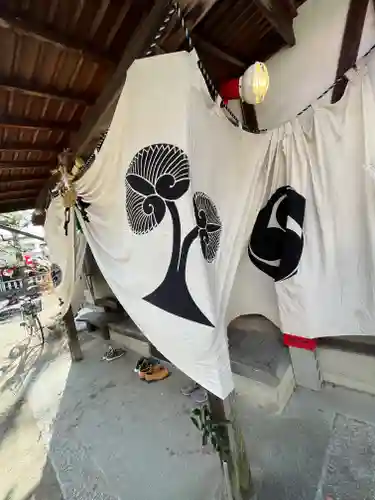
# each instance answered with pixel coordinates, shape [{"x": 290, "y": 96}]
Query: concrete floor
[{"x": 110, "y": 436}]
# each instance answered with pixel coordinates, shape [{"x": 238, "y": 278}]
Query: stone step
[{"x": 260, "y": 362}]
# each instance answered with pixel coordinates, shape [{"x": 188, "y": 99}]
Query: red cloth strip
[{"x": 299, "y": 342}]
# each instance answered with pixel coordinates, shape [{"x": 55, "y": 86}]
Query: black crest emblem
[
  {"x": 276, "y": 242},
  {"x": 157, "y": 177}
]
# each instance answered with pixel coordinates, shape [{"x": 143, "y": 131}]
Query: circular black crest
[
  {"x": 158, "y": 174},
  {"x": 208, "y": 223},
  {"x": 276, "y": 242}
]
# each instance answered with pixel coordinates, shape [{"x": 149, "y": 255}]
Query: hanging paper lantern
[{"x": 251, "y": 87}]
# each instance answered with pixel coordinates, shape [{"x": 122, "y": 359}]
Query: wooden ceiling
[{"x": 64, "y": 62}]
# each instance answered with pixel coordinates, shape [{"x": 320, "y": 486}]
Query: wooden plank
[
  {"x": 238, "y": 483},
  {"x": 126, "y": 4},
  {"x": 280, "y": 17},
  {"x": 27, "y": 124},
  {"x": 73, "y": 340},
  {"x": 47, "y": 33},
  {"x": 218, "y": 52},
  {"x": 194, "y": 11},
  {"x": 135, "y": 48},
  {"x": 22, "y": 183},
  {"x": 25, "y": 87},
  {"x": 137, "y": 45},
  {"x": 42, "y": 147},
  {"x": 13, "y": 165},
  {"x": 351, "y": 39},
  {"x": 18, "y": 194}
]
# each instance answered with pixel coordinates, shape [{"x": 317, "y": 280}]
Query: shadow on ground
[{"x": 47, "y": 488}]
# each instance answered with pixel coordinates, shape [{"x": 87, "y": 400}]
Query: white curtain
[
  {"x": 177, "y": 192},
  {"x": 329, "y": 159},
  {"x": 67, "y": 250}
]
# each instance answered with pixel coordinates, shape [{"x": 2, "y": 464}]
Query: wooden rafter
[
  {"x": 351, "y": 39},
  {"x": 25, "y": 87},
  {"x": 47, "y": 33},
  {"x": 13, "y": 206},
  {"x": 136, "y": 46},
  {"x": 18, "y": 194},
  {"x": 30, "y": 147},
  {"x": 194, "y": 13},
  {"x": 25, "y": 123},
  {"x": 291, "y": 6},
  {"x": 280, "y": 17},
  {"x": 11, "y": 164},
  {"x": 22, "y": 183},
  {"x": 224, "y": 55}
]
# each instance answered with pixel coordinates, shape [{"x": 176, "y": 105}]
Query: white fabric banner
[
  {"x": 194, "y": 222},
  {"x": 329, "y": 159},
  {"x": 67, "y": 252},
  {"x": 159, "y": 223}
]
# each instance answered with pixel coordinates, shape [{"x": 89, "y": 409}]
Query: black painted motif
[
  {"x": 157, "y": 177},
  {"x": 56, "y": 274},
  {"x": 276, "y": 242},
  {"x": 82, "y": 206}
]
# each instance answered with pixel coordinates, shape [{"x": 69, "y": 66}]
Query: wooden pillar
[
  {"x": 235, "y": 464},
  {"x": 73, "y": 342}
]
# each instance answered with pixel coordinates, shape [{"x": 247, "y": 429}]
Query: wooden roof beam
[
  {"x": 218, "y": 52},
  {"x": 30, "y": 147},
  {"x": 136, "y": 46},
  {"x": 351, "y": 39},
  {"x": 25, "y": 87},
  {"x": 18, "y": 194},
  {"x": 22, "y": 183},
  {"x": 25, "y": 123},
  {"x": 194, "y": 13},
  {"x": 12, "y": 165},
  {"x": 21, "y": 24},
  {"x": 280, "y": 17}
]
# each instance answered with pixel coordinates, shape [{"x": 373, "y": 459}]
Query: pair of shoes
[
  {"x": 113, "y": 354},
  {"x": 196, "y": 392},
  {"x": 143, "y": 362},
  {"x": 153, "y": 373}
]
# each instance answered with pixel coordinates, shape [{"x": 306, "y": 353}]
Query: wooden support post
[
  {"x": 235, "y": 464},
  {"x": 351, "y": 40},
  {"x": 73, "y": 342},
  {"x": 249, "y": 116}
]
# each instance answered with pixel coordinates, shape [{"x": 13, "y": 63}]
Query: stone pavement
[
  {"x": 112, "y": 437},
  {"x": 25, "y": 470}
]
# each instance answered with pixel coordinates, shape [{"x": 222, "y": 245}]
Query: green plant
[{"x": 215, "y": 432}]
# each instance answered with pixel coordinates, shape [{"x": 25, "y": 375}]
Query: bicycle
[{"x": 31, "y": 322}]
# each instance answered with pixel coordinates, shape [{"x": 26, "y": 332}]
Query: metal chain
[
  {"x": 214, "y": 92},
  {"x": 175, "y": 8},
  {"x": 210, "y": 84},
  {"x": 150, "y": 51},
  {"x": 161, "y": 29},
  {"x": 182, "y": 20}
]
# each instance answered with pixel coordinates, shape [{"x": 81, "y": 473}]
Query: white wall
[{"x": 298, "y": 75}]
